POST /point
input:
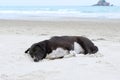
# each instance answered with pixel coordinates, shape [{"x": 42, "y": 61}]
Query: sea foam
[{"x": 60, "y": 12}]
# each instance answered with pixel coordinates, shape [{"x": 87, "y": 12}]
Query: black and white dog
[{"x": 59, "y": 46}]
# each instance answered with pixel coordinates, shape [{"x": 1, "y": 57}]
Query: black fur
[{"x": 39, "y": 50}]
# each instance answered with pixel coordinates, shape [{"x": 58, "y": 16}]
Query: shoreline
[{"x": 60, "y": 19}]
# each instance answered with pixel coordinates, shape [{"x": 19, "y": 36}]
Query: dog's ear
[
  {"x": 27, "y": 50},
  {"x": 43, "y": 45}
]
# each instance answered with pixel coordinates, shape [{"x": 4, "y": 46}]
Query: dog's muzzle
[{"x": 36, "y": 59}]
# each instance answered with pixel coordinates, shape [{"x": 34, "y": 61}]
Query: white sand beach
[{"x": 17, "y": 35}]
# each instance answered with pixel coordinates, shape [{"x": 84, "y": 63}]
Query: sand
[
  {"x": 17, "y": 35},
  {"x": 86, "y": 27}
]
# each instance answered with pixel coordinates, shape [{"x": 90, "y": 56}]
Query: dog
[{"x": 59, "y": 46}]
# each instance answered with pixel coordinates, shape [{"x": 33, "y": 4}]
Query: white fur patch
[
  {"x": 78, "y": 48},
  {"x": 60, "y": 52}
]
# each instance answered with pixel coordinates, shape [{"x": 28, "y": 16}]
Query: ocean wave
[{"x": 59, "y": 13}]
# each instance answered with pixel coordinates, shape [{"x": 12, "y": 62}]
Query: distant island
[{"x": 103, "y": 3}]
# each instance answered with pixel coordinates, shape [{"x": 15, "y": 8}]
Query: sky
[{"x": 52, "y": 2}]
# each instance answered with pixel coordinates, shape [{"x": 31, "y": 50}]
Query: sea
[{"x": 59, "y": 12}]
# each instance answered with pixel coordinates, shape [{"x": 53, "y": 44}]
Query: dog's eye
[{"x": 32, "y": 56}]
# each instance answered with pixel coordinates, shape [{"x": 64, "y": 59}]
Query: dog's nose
[{"x": 36, "y": 60}]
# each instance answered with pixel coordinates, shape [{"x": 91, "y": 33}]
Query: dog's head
[{"x": 37, "y": 51}]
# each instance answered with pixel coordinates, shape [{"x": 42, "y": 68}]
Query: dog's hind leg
[{"x": 71, "y": 54}]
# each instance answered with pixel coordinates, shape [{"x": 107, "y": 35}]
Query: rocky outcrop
[{"x": 102, "y": 3}]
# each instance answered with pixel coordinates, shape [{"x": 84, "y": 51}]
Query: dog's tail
[
  {"x": 27, "y": 50},
  {"x": 94, "y": 49}
]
